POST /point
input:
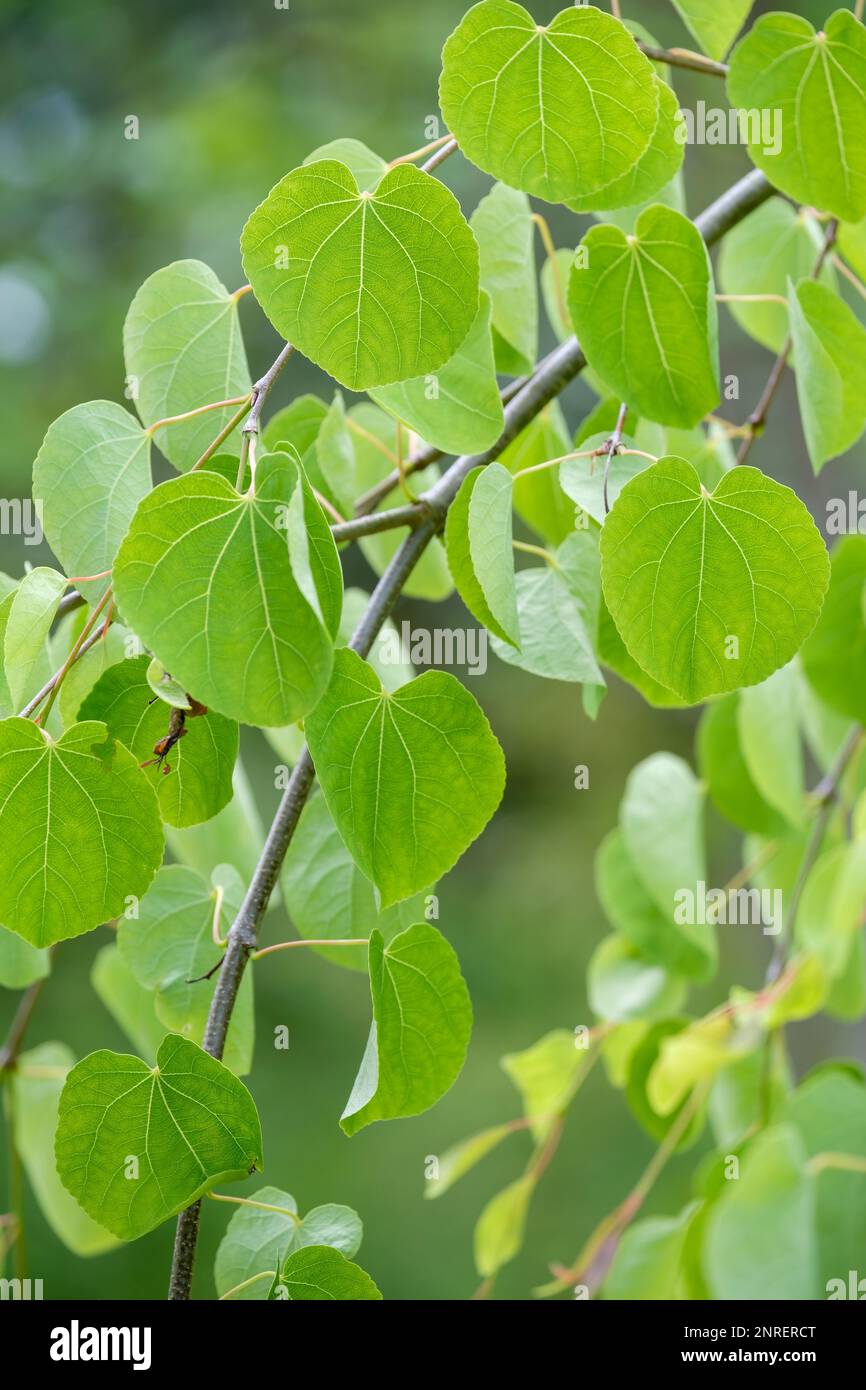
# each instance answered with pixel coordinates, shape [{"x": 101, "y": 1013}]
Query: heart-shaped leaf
[
  {"x": 79, "y": 827},
  {"x": 422, "y": 1019},
  {"x": 90, "y": 474},
  {"x": 538, "y": 107},
  {"x": 200, "y": 781},
  {"x": 183, "y": 348},
  {"x": 814, "y": 86},
  {"x": 644, "y": 313},
  {"x": 135, "y": 1144},
  {"x": 658, "y": 164},
  {"x": 711, "y": 591},
  {"x": 260, "y": 1238},
  {"x": 373, "y": 287},
  {"x": 321, "y": 1273},
  {"x": 410, "y": 777},
  {"x": 219, "y": 587}
]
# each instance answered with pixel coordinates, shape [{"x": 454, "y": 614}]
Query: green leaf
[
  {"x": 834, "y": 657},
  {"x": 712, "y": 591},
  {"x": 189, "y": 1124},
  {"x": 774, "y": 244},
  {"x": 830, "y": 348},
  {"x": 500, "y": 1228},
  {"x": 31, "y": 611},
  {"x": 403, "y": 257},
  {"x": 428, "y": 736},
  {"x": 431, "y": 578},
  {"x": 215, "y": 584},
  {"x": 647, "y": 1263},
  {"x": 623, "y": 985},
  {"x": 769, "y": 728},
  {"x": 170, "y": 945},
  {"x": 547, "y": 1075},
  {"x": 478, "y": 545},
  {"x": 694, "y": 1056},
  {"x": 234, "y": 836},
  {"x": 200, "y": 781},
  {"x": 724, "y": 769},
  {"x": 829, "y": 1111},
  {"x": 633, "y": 911},
  {"x": 644, "y": 311},
  {"x": 538, "y": 498},
  {"x": 387, "y": 657},
  {"x": 657, "y": 166},
  {"x": 462, "y": 1157},
  {"x": 661, "y": 818},
  {"x": 163, "y": 685},
  {"x": 458, "y": 408},
  {"x": 582, "y": 479},
  {"x": 183, "y": 348},
  {"x": 320, "y": 1272},
  {"x": 714, "y": 26},
  {"x": 257, "y": 1240},
  {"x": 327, "y": 896},
  {"x": 89, "y": 476},
  {"x": 131, "y": 1005},
  {"x": 336, "y": 456},
  {"x": 760, "y": 1238},
  {"x": 554, "y": 283},
  {"x": 852, "y": 244},
  {"x": 640, "y": 1066},
  {"x": 20, "y": 963},
  {"x": 557, "y": 607},
  {"x": 80, "y": 829},
  {"x": 37, "y": 1082},
  {"x": 422, "y": 1019},
  {"x": 298, "y": 425},
  {"x": 367, "y": 166},
  {"x": 817, "y": 82},
  {"x": 739, "y": 1096},
  {"x": 504, "y": 230},
  {"x": 831, "y": 907},
  {"x": 535, "y": 106},
  {"x": 612, "y": 653}
]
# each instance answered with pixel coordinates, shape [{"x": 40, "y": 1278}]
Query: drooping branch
[{"x": 553, "y": 374}]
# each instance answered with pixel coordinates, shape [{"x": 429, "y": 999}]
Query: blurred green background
[{"x": 230, "y": 94}]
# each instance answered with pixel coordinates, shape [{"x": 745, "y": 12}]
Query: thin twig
[
  {"x": 683, "y": 58},
  {"x": 223, "y": 435},
  {"x": 612, "y": 447},
  {"x": 440, "y": 156}
]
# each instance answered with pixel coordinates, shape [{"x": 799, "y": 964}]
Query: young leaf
[
  {"x": 403, "y": 259},
  {"x": 831, "y": 907},
  {"x": 234, "y": 836},
  {"x": 633, "y": 911},
  {"x": 774, "y": 244},
  {"x": 647, "y": 1263},
  {"x": 321, "y": 1272},
  {"x": 547, "y": 1075},
  {"x": 583, "y": 480},
  {"x": 644, "y": 312},
  {"x": 478, "y": 537},
  {"x": 188, "y": 1124},
  {"x": 326, "y": 895},
  {"x": 257, "y": 1240},
  {"x": 534, "y": 105},
  {"x": 695, "y": 1055},
  {"x": 31, "y": 611},
  {"x": 623, "y": 985},
  {"x": 430, "y": 745},
  {"x": 504, "y": 230},
  {"x": 657, "y": 166},
  {"x": 834, "y": 657},
  {"x": 462, "y": 1157},
  {"x": 830, "y": 348},
  {"x": 200, "y": 781},
  {"x": 817, "y": 84},
  {"x": 557, "y": 607},
  {"x": 714, "y": 26},
  {"x": 214, "y": 583},
  {"x": 79, "y": 827},
  {"x": 458, "y": 409},
  {"x": 641, "y": 1064},
  {"x": 37, "y": 1082},
  {"x": 367, "y": 166},
  {"x": 170, "y": 945},
  {"x": 20, "y": 963},
  {"x": 183, "y": 348},
  {"x": 422, "y": 1019},
  {"x": 712, "y": 591},
  {"x": 298, "y": 425},
  {"x": 499, "y": 1232},
  {"x": 90, "y": 474},
  {"x": 538, "y": 498},
  {"x": 760, "y": 1235}
]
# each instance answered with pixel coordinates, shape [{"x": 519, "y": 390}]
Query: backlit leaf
[
  {"x": 478, "y": 544},
  {"x": 319, "y": 1272},
  {"x": 834, "y": 657},
  {"x": 830, "y": 348},
  {"x": 504, "y": 229},
  {"x": 257, "y": 1240},
  {"x": 714, "y": 26}
]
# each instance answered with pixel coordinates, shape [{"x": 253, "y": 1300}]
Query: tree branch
[{"x": 551, "y": 376}]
